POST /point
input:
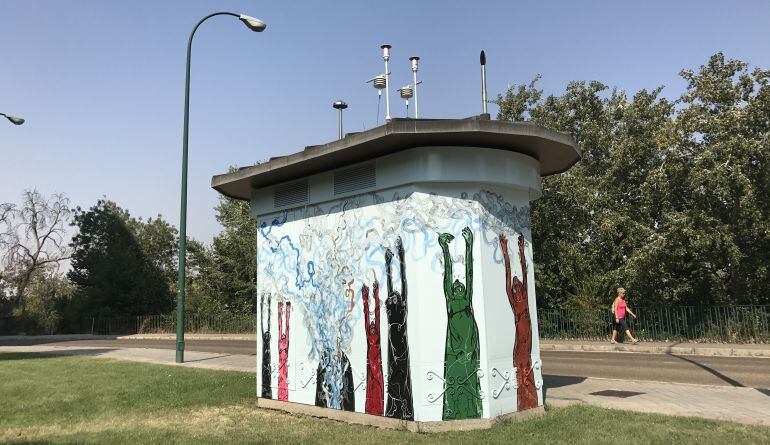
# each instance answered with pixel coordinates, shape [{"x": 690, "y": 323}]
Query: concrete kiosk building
[{"x": 395, "y": 272}]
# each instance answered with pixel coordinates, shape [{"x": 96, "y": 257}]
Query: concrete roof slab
[{"x": 555, "y": 152}]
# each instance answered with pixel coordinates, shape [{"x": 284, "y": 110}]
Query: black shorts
[{"x": 621, "y": 325}]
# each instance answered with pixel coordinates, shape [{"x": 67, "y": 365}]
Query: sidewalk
[
  {"x": 679, "y": 348},
  {"x": 744, "y": 405},
  {"x": 193, "y": 359}
]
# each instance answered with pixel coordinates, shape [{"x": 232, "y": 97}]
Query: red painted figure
[
  {"x": 375, "y": 401},
  {"x": 283, "y": 352},
  {"x": 522, "y": 349}
]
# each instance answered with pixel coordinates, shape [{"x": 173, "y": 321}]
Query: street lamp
[
  {"x": 14, "y": 119},
  {"x": 340, "y": 105},
  {"x": 255, "y": 25}
]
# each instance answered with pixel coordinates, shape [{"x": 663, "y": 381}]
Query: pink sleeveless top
[{"x": 620, "y": 309}]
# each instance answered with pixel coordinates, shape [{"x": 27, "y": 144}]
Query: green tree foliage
[
  {"x": 121, "y": 265},
  {"x": 225, "y": 279},
  {"x": 48, "y": 295},
  {"x": 671, "y": 199}
]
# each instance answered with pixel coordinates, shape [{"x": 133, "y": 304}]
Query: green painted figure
[{"x": 462, "y": 392}]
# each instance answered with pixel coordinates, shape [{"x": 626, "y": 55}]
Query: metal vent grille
[
  {"x": 293, "y": 193},
  {"x": 355, "y": 178}
]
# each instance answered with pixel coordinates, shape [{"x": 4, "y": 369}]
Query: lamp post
[
  {"x": 14, "y": 119},
  {"x": 340, "y": 105},
  {"x": 255, "y": 25}
]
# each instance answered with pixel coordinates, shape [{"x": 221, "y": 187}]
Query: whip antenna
[{"x": 483, "y": 61}]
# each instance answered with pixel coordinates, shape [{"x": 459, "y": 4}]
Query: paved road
[
  {"x": 702, "y": 370},
  {"x": 557, "y": 366}
]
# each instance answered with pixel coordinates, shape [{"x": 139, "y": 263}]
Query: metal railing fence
[
  {"x": 722, "y": 324},
  {"x": 166, "y": 324}
]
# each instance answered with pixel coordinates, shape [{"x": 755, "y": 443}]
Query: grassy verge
[{"x": 55, "y": 399}]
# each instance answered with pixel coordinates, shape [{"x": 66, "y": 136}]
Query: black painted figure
[
  {"x": 399, "y": 404},
  {"x": 320, "y": 385},
  {"x": 348, "y": 399},
  {"x": 348, "y": 396},
  {"x": 267, "y": 390}
]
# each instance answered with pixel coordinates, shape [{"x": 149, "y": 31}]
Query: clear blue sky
[{"x": 101, "y": 82}]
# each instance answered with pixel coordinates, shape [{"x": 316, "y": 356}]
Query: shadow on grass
[{"x": 7, "y": 356}]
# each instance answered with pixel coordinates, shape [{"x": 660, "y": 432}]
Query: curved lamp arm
[{"x": 255, "y": 25}]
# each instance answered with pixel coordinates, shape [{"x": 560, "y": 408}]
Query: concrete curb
[
  {"x": 694, "y": 349},
  {"x": 713, "y": 350},
  {"x": 236, "y": 337},
  {"x": 397, "y": 424}
]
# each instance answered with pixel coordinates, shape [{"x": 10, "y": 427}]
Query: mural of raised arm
[
  {"x": 518, "y": 297},
  {"x": 374, "y": 383},
  {"x": 265, "y": 311},
  {"x": 399, "y": 404},
  {"x": 348, "y": 402},
  {"x": 283, "y": 351},
  {"x": 462, "y": 395}
]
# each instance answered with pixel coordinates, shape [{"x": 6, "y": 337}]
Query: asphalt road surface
[{"x": 722, "y": 371}]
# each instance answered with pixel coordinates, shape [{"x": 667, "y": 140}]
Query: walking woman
[{"x": 619, "y": 309}]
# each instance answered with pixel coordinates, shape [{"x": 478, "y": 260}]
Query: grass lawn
[{"x": 58, "y": 399}]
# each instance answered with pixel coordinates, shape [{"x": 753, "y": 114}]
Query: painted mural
[
  {"x": 283, "y": 350},
  {"x": 324, "y": 380},
  {"x": 522, "y": 351},
  {"x": 265, "y": 311},
  {"x": 462, "y": 397},
  {"x": 374, "y": 378},
  {"x": 400, "y": 403},
  {"x": 324, "y": 264}
]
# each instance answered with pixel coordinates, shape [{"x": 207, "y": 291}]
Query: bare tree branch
[{"x": 32, "y": 238}]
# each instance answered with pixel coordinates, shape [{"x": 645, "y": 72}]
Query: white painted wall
[{"x": 345, "y": 239}]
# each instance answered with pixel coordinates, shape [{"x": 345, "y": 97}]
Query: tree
[
  {"x": 32, "y": 241},
  {"x": 48, "y": 294},
  {"x": 121, "y": 265},
  {"x": 227, "y": 277},
  {"x": 670, "y": 198},
  {"x": 719, "y": 168}
]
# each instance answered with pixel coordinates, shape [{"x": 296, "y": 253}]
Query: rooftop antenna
[
  {"x": 406, "y": 94},
  {"x": 386, "y": 57},
  {"x": 340, "y": 105},
  {"x": 379, "y": 83},
  {"x": 415, "y": 60},
  {"x": 483, "y": 61}
]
